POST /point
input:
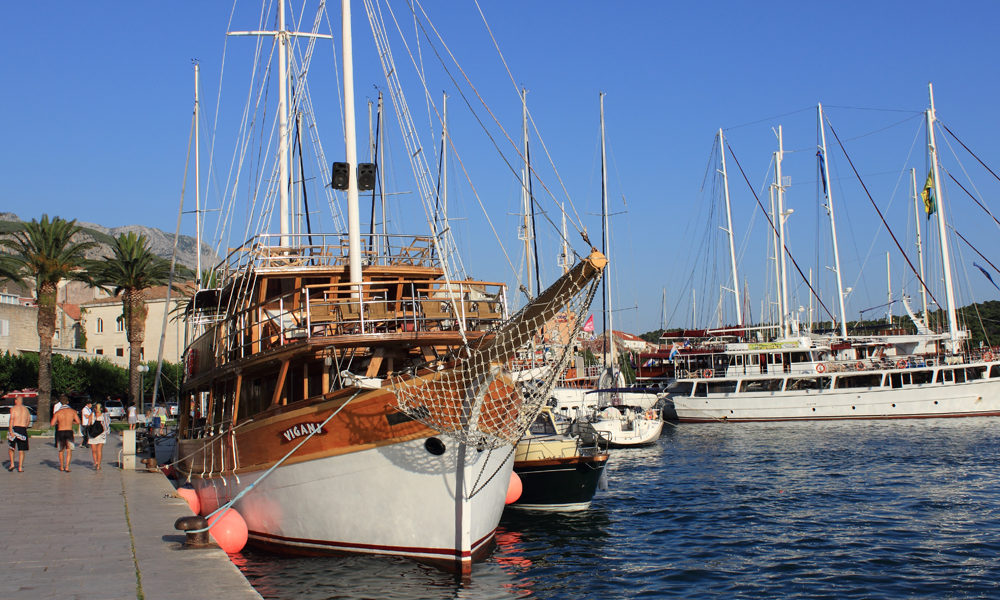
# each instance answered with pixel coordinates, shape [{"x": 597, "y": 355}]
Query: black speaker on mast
[
  {"x": 366, "y": 176},
  {"x": 341, "y": 175}
]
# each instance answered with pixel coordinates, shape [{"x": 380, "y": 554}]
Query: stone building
[{"x": 104, "y": 326}]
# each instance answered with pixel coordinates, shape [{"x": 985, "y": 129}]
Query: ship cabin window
[
  {"x": 897, "y": 380},
  {"x": 959, "y": 375},
  {"x": 680, "y": 388},
  {"x": 945, "y": 375},
  {"x": 994, "y": 371},
  {"x": 543, "y": 425},
  {"x": 798, "y": 357},
  {"x": 761, "y": 385},
  {"x": 721, "y": 387},
  {"x": 807, "y": 383},
  {"x": 867, "y": 380},
  {"x": 975, "y": 373},
  {"x": 921, "y": 377}
]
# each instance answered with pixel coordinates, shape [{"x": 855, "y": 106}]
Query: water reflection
[{"x": 876, "y": 509}]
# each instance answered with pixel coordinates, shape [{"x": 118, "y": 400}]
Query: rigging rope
[
  {"x": 880, "y": 215},
  {"x": 774, "y": 229}
]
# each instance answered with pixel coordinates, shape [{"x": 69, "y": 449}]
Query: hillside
[{"x": 161, "y": 242}]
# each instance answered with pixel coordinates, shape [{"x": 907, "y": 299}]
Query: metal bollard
[{"x": 190, "y": 526}]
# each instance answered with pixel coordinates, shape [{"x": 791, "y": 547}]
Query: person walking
[
  {"x": 64, "y": 421},
  {"x": 132, "y": 416},
  {"x": 86, "y": 420},
  {"x": 97, "y": 442},
  {"x": 17, "y": 433}
]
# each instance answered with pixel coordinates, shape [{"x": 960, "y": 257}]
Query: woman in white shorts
[
  {"x": 97, "y": 442},
  {"x": 131, "y": 416}
]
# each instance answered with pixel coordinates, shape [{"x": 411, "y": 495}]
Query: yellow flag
[{"x": 930, "y": 206}]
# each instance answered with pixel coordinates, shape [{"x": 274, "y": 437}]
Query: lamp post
[{"x": 142, "y": 394}]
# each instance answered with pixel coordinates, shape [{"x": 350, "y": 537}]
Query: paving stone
[{"x": 74, "y": 540}]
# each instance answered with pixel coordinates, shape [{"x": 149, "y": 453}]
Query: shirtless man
[
  {"x": 17, "y": 433},
  {"x": 64, "y": 421}
]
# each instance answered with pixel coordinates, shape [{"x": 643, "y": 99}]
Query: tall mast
[
  {"x": 529, "y": 257},
  {"x": 729, "y": 231},
  {"x": 381, "y": 174},
  {"x": 283, "y": 181},
  {"x": 197, "y": 186},
  {"x": 350, "y": 135},
  {"x": 920, "y": 245},
  {"x": 564, "y": 253},
  {"x": 888, "y": 281},
  {"x": 780, "y": 192},
  {"x": 833, "y": 222},
  {"x": 777, "y": 266},
  {"x": 605, "y": 243},
  {"x": 942, "y": 228},
  {"x": 444, "y": 159}
]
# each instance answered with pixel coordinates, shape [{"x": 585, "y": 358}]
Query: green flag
[{"x": 930, "y": 206}]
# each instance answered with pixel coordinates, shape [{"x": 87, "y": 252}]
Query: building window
[
  {"x": 99, "y": 351},
  {"x": 100, "y": 325},
  {"x": 4, "y": 327},
  {"x": 120, "y": 324},
  {"x": 119, "y": 351}
]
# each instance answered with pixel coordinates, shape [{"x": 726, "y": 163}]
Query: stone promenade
[{"x": 101, "y": 534}]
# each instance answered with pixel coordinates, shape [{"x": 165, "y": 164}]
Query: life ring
[
  {"x": 988, "y": 357},
  {"x": 821, "y": 368},
  {"x": 929, "y": 362},
  {"x": 860, "y": 366},
  {"x": 902, "y": 363},
  {"x": 707, "y": 373}
]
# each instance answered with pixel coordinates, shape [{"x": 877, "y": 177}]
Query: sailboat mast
[
  {"x": 920, "y": 244},
  {"x": 444, "y": 159},
  {"x": 942, "y": 227},
  {"x": 283, "y": 181},
  {"x": 604, "y": 243},
  {"x": 529, "y": 257},
  {"x": 351, "y": 154},
  {"x": 381, "y": 175},
  {"x": 777, "y": 266},
  {"x": 729, "y": 230},
  {"x": 780, "y": 192},
  {"x": 197, "y": 186},
  {"x": 888, "y": 282},
  {"x": 833, "y": 222}
]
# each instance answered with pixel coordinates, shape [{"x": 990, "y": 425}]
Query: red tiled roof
[{"x": 71, "y": 310}]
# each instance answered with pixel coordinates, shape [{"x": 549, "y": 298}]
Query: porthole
[{"x": 435, "y": 446}]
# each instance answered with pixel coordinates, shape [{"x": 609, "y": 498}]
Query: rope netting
[{"x": 484, "y": 399}]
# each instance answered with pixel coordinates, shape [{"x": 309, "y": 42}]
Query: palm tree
[
  {"x": 130, "y": 271},
  {"x": 46, "y": 252}
]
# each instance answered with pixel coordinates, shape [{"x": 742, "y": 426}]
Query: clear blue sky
[{"x": 98, "y": 100}]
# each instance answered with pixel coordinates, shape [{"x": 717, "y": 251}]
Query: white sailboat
[{"x": 924, "y": 374}]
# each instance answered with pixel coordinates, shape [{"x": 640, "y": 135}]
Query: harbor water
[{"x": 862, "y": 509}]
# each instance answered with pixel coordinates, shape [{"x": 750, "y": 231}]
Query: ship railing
[
  {"x": 369, "y": 308},
  {"x": 323, "y": 250}
]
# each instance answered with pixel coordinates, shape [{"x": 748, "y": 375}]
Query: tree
[
  {"x": 46, "y": 252},
  {"x": 129, "y": 272}
]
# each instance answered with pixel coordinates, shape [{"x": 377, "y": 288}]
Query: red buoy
[
  {"x": 229, "y": 531},
  {"x": 513, "y": 488},
  {"x": 192, "y": 498}
]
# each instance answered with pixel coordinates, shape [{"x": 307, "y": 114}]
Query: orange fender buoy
[
  {"x": 229, "y": 531},
  {"x": 192, "y": 498},
  {"x": 514, "y": 488}
]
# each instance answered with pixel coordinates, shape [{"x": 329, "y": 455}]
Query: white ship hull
[
  {"x": 352, "y": 503},
  {"x": 968, "y": 399}
]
